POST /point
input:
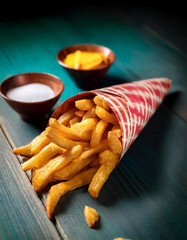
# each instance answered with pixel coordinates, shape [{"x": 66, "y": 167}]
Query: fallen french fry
[
  {"x": 81, "y": 179},
  {"x": 42, "y": 157},
  {"x": 91, "y": 216},
  {"x": 45, "y": 174},
  {"x": 55, "y": 136},
  {"x": 102, "y": 174},
  {"x": 106, "y": 116}
]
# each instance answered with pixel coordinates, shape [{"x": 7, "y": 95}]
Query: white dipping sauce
[{"x": 32, "y": 92}]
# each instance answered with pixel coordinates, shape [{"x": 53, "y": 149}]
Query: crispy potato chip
[
  {"x": 55, "y": 136},
  {"x": 82, "y": 178},
  {"x": 45, "y": 174},
  {"x": 106, "y": 116},
  {"x": 91, "y": 216}
]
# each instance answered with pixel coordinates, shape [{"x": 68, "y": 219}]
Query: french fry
[
  {"x": 23, "y": 151},
  {"x": 84, "y": 128},
  {"x": 92, "y": 151},
  {"x": 117, "y": 131},
  {"x": 39, "y": 142},
  {"x": 103, "y": 173},
  {"x": 89, "y": 114},
  {"x": 101, "y": 103},
  {"x": 75, "y": 120},
  {"x": 84, "y": 104},
  {"x": 79, "y": 113},
  {"x": 73, "y": 168},
  {"x": 97, "y": 133},
  {"x": 65, "y": 117},
  {"x": 65, "y": 131},
  {"x": 42, "y": 157},
  {"x": 114, "y": 143},
  {"x": 81, "y": 147},
  {"x": 81, "y": 179},
  {"x": 45, "y": 174},
  {"x": 106, "y": 116},
  {"x": 55, "y": 136},
  {"x": 91, "y": 216}
]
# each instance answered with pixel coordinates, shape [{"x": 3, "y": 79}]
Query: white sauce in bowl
[{"x": 32, "y": 92}]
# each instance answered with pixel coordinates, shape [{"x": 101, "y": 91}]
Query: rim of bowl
[
  {"x": 28, "y": 73},
  {"x": 84, "y": 44}
]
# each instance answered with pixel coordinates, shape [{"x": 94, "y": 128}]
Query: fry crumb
[{"x": 91, "y": 216}]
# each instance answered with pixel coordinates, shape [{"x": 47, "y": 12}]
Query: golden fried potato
[
  {"x": 84, "y": 104},
  {"x": 106, "y": 116},
  {"x": 99, "y": 101},
  {"x": 103, "y": 172},
  {"x": 82, "y": 178},
  {"x": 55, "y": 136},
  {"x": 97, "y": 133},
  {"x": 114, "y": 143},
  {"x": 91, "y": 216},
  {"x": 45, "y": 174},
  {"x": 42, "y": 157}
]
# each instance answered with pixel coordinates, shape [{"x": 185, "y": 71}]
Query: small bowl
[
  {"x": 86, "y": 79},
  {"x": 32, "y": 111}
]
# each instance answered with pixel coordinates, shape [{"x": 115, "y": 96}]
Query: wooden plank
[{"x": 22, "y": 216}]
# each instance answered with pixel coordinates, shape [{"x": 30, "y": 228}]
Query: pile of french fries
[{"x": 81, "y": 147}]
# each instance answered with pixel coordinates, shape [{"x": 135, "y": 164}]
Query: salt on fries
[{"x": 81, "y": 147}]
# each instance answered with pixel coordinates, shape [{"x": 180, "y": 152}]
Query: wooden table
[{"x": 145, "y": 196}]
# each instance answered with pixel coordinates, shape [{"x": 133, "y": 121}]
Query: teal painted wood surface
[
  {"x": 145, "y": 197},
  {"x": 22, "y": 215}
]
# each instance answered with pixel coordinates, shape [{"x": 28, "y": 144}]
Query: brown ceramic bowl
[
  {"x": 86, "y": 79},
  {"x": 32, "y": 111}
]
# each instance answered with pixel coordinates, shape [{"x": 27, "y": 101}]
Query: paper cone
[{"x": 133, "y": 104}]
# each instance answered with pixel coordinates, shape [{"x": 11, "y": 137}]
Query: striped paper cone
[{"x": 133, "y": 104}]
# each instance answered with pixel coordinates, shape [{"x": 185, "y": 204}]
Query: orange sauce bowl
[{"x": 87, "y": 79}]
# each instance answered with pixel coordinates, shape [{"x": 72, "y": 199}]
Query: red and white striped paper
[{"x": 134, "y": 104}]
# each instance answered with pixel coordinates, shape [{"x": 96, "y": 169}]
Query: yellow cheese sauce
[{"x": 85, "y": 60}]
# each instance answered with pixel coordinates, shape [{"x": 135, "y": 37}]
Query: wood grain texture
[{"x": 22, "y": 215}]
